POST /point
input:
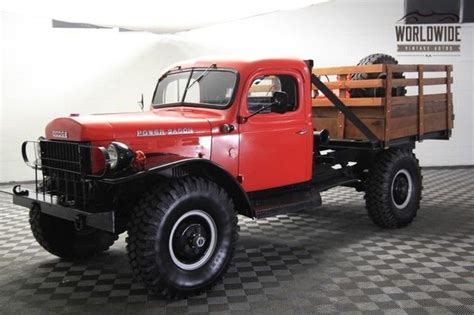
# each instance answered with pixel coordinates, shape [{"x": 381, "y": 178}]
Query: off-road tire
[
  {"x": 376, "y": 92},
  {"x": 60, "y": 237},
  {"x": 152, "y": 225},
  {"x": 381, "y": 188}
]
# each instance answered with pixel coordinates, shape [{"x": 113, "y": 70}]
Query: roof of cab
[{"x": 242, "y": 65}]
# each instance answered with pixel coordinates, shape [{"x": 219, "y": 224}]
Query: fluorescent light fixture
[{"x": 156, "y": 16}]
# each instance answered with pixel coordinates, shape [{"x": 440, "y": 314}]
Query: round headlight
[
  {"x": 113, "y": 156},
  {"x": 120, "y": 156}
]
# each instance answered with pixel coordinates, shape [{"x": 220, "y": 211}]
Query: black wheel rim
[
  {"x": 192, "y": 240},
  {"x": 402, "y": 184}
]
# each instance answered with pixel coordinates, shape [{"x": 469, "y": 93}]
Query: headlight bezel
[{"x": 118, "y": 156}]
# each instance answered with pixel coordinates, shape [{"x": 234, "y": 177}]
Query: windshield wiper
[{"x": 188, "y": 85}]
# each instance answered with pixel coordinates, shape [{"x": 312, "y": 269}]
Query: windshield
[{"x": 196, "y": 87}]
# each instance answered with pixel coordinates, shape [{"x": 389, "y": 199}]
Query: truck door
[{"x": 275, "y": 149}]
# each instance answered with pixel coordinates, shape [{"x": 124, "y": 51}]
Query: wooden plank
[
  {"x": 437, "y": 81},
  {"x": 379, "y": 68},
  {"x": 412, "y": 109},
  {"x": 388, "y": 105},
  {"x": 404, "y": 82},
  {"x": 324, "y": 112},
  {"x": 434, "y": 68},
  {"x": 404, "y": 68},
  {"x": 414, "y": 68},
  {"x": 349, "y": 70},
  {"x": 434, "y": 107},
  {"x": 420, "y": 103},
  {"x": 400, "y": 100},
  {"x": 414, "y": 82},
  {"x": 435, "y": 122},
  {"x": 407, "y": 126},
  {"x": 361, "y": 112},
  {"x": 355, "y": 84},
  {"x": 363, "y": 101},
  {"x": 376, "y": 125},
  {"x": 369, "y": 112},
  {"x": 449, "y": 107}
]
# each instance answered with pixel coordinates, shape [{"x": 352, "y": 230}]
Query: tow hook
[
  {"x": 20, "y": 192},
  {"x": 80, "y": 222}
]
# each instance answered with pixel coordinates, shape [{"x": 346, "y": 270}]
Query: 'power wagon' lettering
[{"x": 164, "y": 132}]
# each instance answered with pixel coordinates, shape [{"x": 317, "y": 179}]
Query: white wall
[
  {"x": 51, "y": 72},
  {"x": 341, "y": 33}
]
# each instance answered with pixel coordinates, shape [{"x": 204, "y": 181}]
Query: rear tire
[
  {"x": 181, "y": 237},
  {"x": 375, "y": 59},
  {"x": 393, "y": 189},
  {"x": 60, "y": 237}
]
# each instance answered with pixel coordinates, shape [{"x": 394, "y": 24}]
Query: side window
[{"x": 262, "y": 89}]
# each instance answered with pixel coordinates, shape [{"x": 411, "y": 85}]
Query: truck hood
[{"x": 153, "y": 131}]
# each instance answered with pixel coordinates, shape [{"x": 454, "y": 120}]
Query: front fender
[{"x": 171, "y": 165}]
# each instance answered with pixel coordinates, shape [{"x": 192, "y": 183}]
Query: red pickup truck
[{"x": 228, "y": 137}]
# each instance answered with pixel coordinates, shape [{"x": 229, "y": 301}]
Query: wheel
[
  {"x": 393, "y": 189},
  {"x": 376, "y": 92},
  {"x": 181, "y": 237},
  {"x": 60, "y": 237}
]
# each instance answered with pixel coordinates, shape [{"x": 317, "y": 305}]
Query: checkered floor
[{"x": 328, "y": 260}]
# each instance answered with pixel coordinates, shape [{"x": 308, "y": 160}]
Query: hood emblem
[
  {"x": 59, "y": 134},
  {"x": 164, "y": 132}
]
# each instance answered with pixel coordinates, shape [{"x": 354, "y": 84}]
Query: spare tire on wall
[{"x": 376, "y": 92}]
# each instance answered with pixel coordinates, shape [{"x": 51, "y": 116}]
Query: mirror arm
[{"x": 259, "y": 111}]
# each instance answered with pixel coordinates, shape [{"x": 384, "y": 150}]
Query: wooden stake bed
[{"x": 390, "y": 117}]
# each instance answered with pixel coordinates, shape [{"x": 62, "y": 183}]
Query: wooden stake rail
[{"x": 389, "y": 117}]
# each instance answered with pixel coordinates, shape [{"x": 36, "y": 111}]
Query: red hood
[{"x": 165, "y": 130}]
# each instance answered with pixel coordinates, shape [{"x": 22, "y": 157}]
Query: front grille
[
  {"x": 74, "y": 157},
  {"x": 65, "y": 166}
]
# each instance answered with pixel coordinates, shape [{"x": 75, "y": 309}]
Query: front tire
[
  {"x": 181, "y": 237},
  {"x": 393, "y": 189},
  {"x": 60, "y": 237}
]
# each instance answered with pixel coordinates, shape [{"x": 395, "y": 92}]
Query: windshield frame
[{"x": 198, "y": 105}]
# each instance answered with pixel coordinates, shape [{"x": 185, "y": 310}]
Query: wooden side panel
[
  {"x": 327, "y": 118},
  {"x": 388, "y": 117},
  {"x": 376, "y": 125}
]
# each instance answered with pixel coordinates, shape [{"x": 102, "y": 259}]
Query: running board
[{"x": 283, "y": 203}]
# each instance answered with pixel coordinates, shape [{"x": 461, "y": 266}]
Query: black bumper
[{"x": 101, "y": 220}]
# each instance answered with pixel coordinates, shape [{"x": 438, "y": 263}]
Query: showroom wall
[{"x": 51, "y": 72}]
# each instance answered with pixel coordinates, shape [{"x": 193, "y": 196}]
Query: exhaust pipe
[{"x": 321, "y": 137}]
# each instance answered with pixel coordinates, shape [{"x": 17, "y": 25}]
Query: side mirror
[{"x": 279, "y": 102}]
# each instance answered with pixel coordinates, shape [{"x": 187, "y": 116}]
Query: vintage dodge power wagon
[{"x": 226, "y": 137}]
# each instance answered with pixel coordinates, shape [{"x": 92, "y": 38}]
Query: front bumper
[{"x": 104, "y": 220}]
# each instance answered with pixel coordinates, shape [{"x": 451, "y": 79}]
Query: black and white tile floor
[{"x": 327, "y": 260}]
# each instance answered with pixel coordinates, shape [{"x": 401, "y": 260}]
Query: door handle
[{"x": 302, "y": 132}]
